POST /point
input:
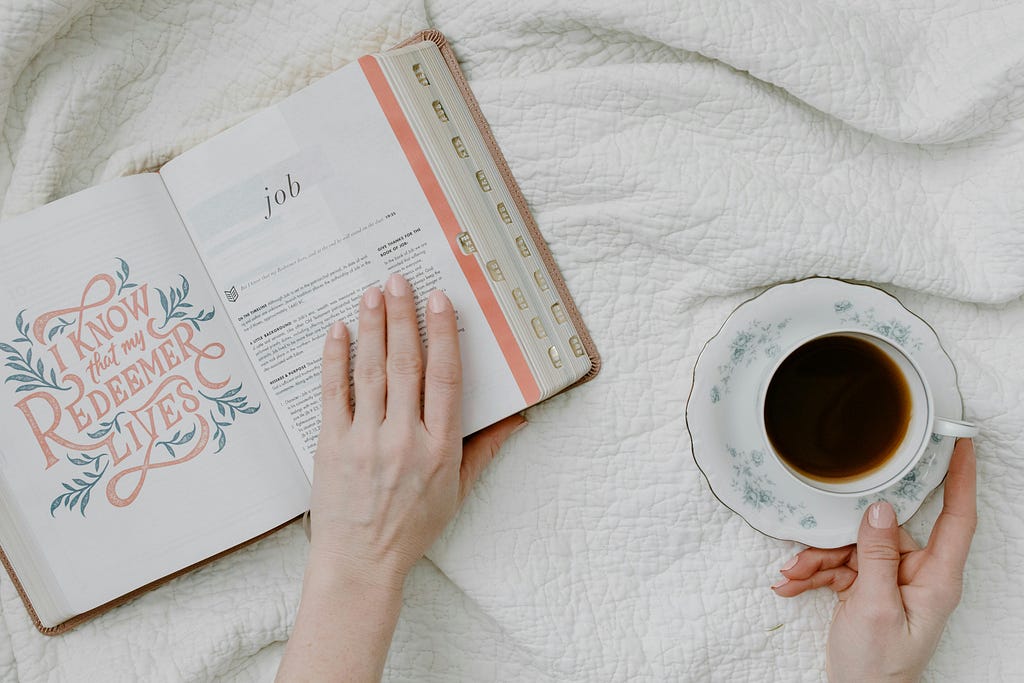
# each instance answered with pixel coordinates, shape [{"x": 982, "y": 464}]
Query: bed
[{"x": 680, "y": 157}]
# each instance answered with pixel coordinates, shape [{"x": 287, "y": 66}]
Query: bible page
[
  {"x": 296, "y": 211},
  {"x": 136, "y": 438}
]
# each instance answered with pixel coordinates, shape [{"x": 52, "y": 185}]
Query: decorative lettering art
[{"x": 120, "y": 386}]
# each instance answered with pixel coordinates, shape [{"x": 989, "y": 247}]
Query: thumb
[
  {"x": 878, "y": 553},
  {"x": 479, "y": 450}
]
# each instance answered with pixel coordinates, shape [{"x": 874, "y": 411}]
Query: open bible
[{"x": 160, "y": 334}]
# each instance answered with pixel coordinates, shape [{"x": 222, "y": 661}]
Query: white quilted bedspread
[{"x": 679, "y": 156}]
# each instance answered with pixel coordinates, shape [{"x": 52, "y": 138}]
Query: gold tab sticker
[
  {"x": 460, "y": 148},
  {"x": 495, "y": 270},
  {"x": 420, "y": 75},
  {"x": 439, "y": 110},
  {"x": 520, "y": 299},
  {"x": 523, "y": 249},
  {"x": 538, "y": 328},
  {"x": 466, "y": 243},
  {"x": 556, "y": 310},
  {"x": 503, "y": 212},
  {"x": 481, "y": 178},
  {"x": 577, "y": 345},
  {"x": 556, "y": 359},
  {"x": 541, "y": 281}
]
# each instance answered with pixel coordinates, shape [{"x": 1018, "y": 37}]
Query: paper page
[
  {"x": 297, "y": 211},
  {"x": 136, "y": 438}
]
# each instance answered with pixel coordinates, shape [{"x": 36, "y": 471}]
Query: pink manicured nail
[
  {"x": 338, "y": 330},
  {"x": 780, "y": 583},
  {"x": 790, "y": 564},
  {"x": 397, "y": 286},
  {"x": 438, "y": 302},
  {"x": 881, "y": 515},
  {"x": 372, "y": 297}
]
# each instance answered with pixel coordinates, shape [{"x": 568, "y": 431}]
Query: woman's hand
[
  {"x": 894, "y": 596},
  {"x": 388, "y": 477}
]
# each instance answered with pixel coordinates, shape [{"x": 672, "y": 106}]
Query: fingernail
[
  {"x": 372, "y": 297},
  {"x": 438, "y": 302},
  {"x": 790, "y": 564},
  {"x": 397, "y": 286},
  {"x": 780, "y": 583},
  {"x": 519, "y": 426},
  {"x": 881, "y": 515},
  {"x": 338, "y": 330}
]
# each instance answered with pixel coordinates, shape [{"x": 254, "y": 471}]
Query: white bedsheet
[{"x": 679, "y": 156}]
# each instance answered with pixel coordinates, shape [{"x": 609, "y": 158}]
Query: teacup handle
[{"x": 957, "y": 428}]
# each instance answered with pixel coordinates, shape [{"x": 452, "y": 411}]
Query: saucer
[{"x": 722, "y": 417}]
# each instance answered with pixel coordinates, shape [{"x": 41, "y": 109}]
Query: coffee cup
[{"x": 850, "y": 413}]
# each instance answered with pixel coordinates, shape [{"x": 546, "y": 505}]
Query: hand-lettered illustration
[{"x": 119, "y": 386}]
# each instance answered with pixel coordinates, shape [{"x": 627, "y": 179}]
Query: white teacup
[{"x": 922, "y": 423}]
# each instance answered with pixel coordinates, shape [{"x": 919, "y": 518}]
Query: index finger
[
  {"x": 336, "y": 413},
  {"x": 951, "y": 537},
  {"x": 442, "y": 390}
]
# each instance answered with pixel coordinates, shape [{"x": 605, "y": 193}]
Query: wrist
[
  {"x": 334, "y": 574},
  {"x": 345, "y": 621}
]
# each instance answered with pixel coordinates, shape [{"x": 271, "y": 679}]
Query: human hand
[
  {"x": 387, "y": 478},
  {"x": 894, "y": 596},
  {"x": 390, "y": 475}
]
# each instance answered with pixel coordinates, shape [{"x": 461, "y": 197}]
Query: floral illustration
[
  {"x": 179, "y": 439},
  {"x": 758, "y": 490},
  {"x": 28, "y": 372},
  {"x": 229, "y": 405},
  {"x": 908, "y": 490},
  {"x": 123, "y": 277},
  {"x": 80, "y": 489},
  {"x": 746, "y": 347},
  {"x": 176, "y": 307},
  {"x": 139, "y": 406},
  {"x": 106, "y": 426},
  {"x": 892, "y": 329},
  {"x": 59, "y": 328}
]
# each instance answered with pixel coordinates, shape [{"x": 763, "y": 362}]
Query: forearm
[{"x": 344, "y": 626}]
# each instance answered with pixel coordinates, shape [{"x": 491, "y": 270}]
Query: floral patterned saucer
[{"x": 722, "y": 416}]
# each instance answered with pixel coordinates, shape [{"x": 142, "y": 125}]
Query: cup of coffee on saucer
[
  {"x": 849, "y": 413},
  {"x": 817, "y": 398}
]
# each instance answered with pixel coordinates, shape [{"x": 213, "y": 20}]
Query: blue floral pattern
[
  {"x": 910, "y": 489},
  {"x": 892, "y": 329},
  {"x": 759, "y": 491},
  {"x": 745, "y": 348}
]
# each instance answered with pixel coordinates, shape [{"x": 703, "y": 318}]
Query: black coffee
[{"x": 837, "y": 408}]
